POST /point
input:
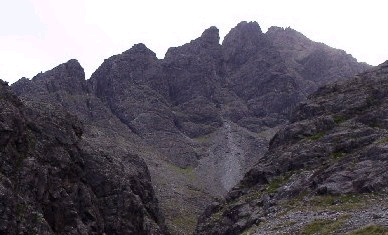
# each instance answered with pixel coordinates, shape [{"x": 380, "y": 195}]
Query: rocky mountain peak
[
  {"x": 3, "y": 83},
  {"x": 384, "y": 65},
  {"x": 281, "y": 30},
  {"x": 207, "y": 43},
  {"x": 243, "y": 42},
  {"x": 72, "y": 69},
  {"x": 211, "y": 35},
  {"x": 140, "y": 48},
  {"x": 69, "y": 76},
  {"x": 134, "y": 66},
  {"x": 245, "y": 26},
  {"x": 288, "y": 37},
  {"x": 243, "y": 33}
]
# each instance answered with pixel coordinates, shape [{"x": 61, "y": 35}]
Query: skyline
[{"x": 37, "y": 35}]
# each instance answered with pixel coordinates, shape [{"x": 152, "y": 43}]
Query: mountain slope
[
  {"x": 316, "y": 63},
  {"x": 324, "y": 172},
  {"x": 200, "y": 118},
  {"x": 55, "y": 181}
]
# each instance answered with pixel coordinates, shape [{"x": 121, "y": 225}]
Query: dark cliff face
[
  {"x": 68, "y": 77},
  {"x": 316, "y": 63},
  {"x": 57, "y": 180},
  {"x": 132, "y": 86},
  {"x": 126, "y": 81},
  {"x": 259, "y": 76},
  {"x": 200, "y": 118},
  {"x": 327, "y": 166},
  {"x": 245, "y": 39},
  {"x": 193, "y": 69}
]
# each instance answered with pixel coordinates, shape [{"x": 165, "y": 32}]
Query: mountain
[
  {"x": 316, "y": 63},
  {"x": 325, "y": 171},
  {"x": 55, "y": 180},
  {"x": 202, "y": 116}
]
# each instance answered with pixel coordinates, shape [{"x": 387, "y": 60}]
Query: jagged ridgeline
[{"x": 170, "y": 135}]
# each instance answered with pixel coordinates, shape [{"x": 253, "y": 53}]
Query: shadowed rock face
[
  {"x": 316, "y": 63},
  {"x": 68, "y": 77},
  {"x": 335, "y": 148},
  {"x": 201, "y": 117},
  {"x": 194, "y": 69},
  {"x": 56, "y": 180}
]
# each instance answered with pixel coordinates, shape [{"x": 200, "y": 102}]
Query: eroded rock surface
[
  {"x": 325, "y": 170},
  {"x": 56, "y": 181}
]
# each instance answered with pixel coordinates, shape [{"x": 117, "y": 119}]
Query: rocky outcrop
[
  {"x": 200, "y": 118},
  {"x": 316, "y": 63},
  {"x": 68, "y": 77},
  {"x": 194, "y": 69},
  {"x": 55, "y": 181},
  {"x": 325, "y": 168}
]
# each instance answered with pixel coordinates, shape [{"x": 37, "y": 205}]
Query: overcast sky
[{"x": 37, "y": 35}]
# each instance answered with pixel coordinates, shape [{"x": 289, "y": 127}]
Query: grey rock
[
  {"x": 333, "y": 148},
  {"x": 201, "y": 117},
  {"x": 57, "y": 182}
]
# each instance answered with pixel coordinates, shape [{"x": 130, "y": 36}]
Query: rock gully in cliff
[{"x": 325, "y": 171}]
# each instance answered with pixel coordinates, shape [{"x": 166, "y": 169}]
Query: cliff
[
  {"x": 324, "y": 171},
  {"x": 202, "y": 116}
]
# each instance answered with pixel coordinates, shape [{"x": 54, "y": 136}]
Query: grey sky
[{"x": 37, "y": 35}]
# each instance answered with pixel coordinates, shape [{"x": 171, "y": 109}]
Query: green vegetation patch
[
  {"x": 217, "y": 216},
  {"x": 337, "y": 155},
  {"x": 370, "y": 230},
  {"x": 187, "y": 222},
  {"x": 285, "y": 224},
  {"x": 317, "y": 136},
  {"x": 276, "y": 183},
  {"x": 322, "y": 227},
  {"x": 38, "y": 218},
  {"x": 188, "y": 171},
  {"x": 327, "y": 202},
  {"x": 296, "y": 201},
  {"x": 288, "y": 223},
  {"x": 251, "y": 196},
  {"x": 202, "y": 139},
  {"x": 250, "y": 230},
  {"x": 338, "y": 119},
  {"x": 350, "y": 198},
  {"x": 383, "y": 141},
  {"x": 338, "y": 202},
  {"x": 332, "y": 200}
]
